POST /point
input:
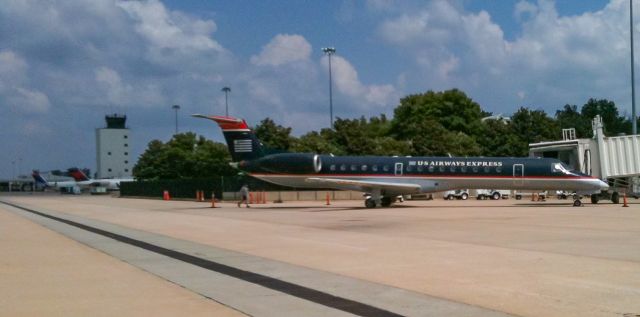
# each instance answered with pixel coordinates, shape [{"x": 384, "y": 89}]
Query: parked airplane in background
[
  {"x": 81, "y": 181},
  {"x": 84, "y": 181},
  {"x": 386, "y": 177},
  {"x": 40, "y": 181}
]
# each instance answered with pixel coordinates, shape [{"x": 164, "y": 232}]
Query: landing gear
[
  {"x": 594, "y": 198},
  {"x": 577, "y": 203},
  {"x": 385, "y": 201},
  {"x": 370, "y": 203},
  {"x": 615, "y": 198}
]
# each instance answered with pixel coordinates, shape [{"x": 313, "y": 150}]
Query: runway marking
[{"x": 306, "y": 293}]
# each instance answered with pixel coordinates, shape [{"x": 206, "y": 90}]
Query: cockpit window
[{"x": 560, "y": 168}]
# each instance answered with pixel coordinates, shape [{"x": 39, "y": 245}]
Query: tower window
[
  {"x": 109, "y": 170},
  {"x": 126, "y": 170},
  {"x": 126, "y": 136},
  {"x": 126, "y": 153},
  {"x": 126, "y": 162},
  {"x": 126, "y": 145},
  {"x": 108, "y": 153}
]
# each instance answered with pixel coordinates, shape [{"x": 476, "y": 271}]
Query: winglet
[{"x": 226, "y": 123}]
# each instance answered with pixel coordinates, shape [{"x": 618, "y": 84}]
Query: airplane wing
[{"x": 366, "y": 185}]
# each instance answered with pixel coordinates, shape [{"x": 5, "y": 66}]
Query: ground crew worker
[{"x": 244, "y": 193}]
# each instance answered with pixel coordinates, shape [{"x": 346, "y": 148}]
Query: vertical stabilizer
[{"x": 242, "y": 142}]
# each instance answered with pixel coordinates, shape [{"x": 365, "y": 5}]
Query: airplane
[
  {"x": 84, "y": 181},
  {"x": 57, "y": 185},
  {"x": 81, "y": 181},
  {"x": 384, "y": 178}
]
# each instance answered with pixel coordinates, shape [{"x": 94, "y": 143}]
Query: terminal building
[{"x": 113, "y": 148}]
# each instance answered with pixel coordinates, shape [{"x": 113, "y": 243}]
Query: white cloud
[
  {"x": 345, "y": 78},
  {"x": 554, "y": 59},
  {"x": 15, "y": 92},
  {"x": 282, "y": 49},
  {"x": 166, "y": 30}
]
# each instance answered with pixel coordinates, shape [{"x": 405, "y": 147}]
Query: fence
[{"x": 186, "y": 188}]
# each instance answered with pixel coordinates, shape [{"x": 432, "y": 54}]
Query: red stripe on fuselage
[{"x": 424, "y": 176}]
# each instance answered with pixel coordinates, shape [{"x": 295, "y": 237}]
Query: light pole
[
  {"x": 226, "y": 90},
  {"x": 13, "y": 170},
  {"x": 634, "y": 121},
  {"x": 330, "y": 51},
  {"x": 176, "y": 108}
]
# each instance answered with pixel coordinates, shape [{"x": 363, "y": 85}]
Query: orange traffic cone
[
  {"x": 624, "y": 199},
  {"x": 213, "y": 200},
  {"x": 328, "y": 199},
  {"x": 165, "y": 195}
]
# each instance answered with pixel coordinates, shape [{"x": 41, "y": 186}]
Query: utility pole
[
  {"x": 330, "y": 51},
  {"x": 176, "y": 108},
  {"x": 226, "y": 90},
  {"x": 634, "y": 118}
]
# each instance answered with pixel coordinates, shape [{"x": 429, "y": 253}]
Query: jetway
[{"x": 615, "y": 160}]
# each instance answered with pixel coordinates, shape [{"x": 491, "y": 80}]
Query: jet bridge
[{"x": 615, "y": 160}]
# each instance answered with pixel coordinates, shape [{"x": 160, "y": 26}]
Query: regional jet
[
  {"x": 80, "y": 181},
  {"x": 384, "y": 178},
  {"x": 84, "y": 181}
]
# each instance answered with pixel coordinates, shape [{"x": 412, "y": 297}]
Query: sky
[{"x": 64, "y": 65}]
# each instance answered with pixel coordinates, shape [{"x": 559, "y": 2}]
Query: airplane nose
[{"x": 602, "y": 185}]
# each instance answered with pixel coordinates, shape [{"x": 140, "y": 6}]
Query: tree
[
  {"x": 439, "y": 123},
  {"x": 531, "y": 126},
  {"x": 570, "y": 117},
  {"x": 274, "y": 135},
  {"x": 613, "y": 122},
  {"x": 184, "y": 156}
]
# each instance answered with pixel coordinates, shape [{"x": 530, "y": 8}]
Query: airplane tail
[
  {"x": 78, "y": 175},
  {"x": 241, "y": 140},
  {"x": 39, "y": 179}
]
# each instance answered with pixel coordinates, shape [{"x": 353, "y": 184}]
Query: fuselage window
[
  {"x": 453, "y": 169},
  {"x": 486, "y": 169},
  {"x": 474, "y": 169},
  {"x": 332, "y": 167},
  {"x": 354, "y": 168},
  {"x": 409, "y": 168},
  {"x": 463, "y": 169},
  {"x": 420, "y": 168},
  {"x": 499, "y": 169},
  {"x": 364, "y": 168},
  {"x": 385, "y": 168},
  {"x": 374, "y": 168},
  {"x": 343, "y": 167},
  {"x": 431, "y": 169},
  {"x": 441, "y": 169}
]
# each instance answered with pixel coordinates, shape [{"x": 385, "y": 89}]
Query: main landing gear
[
  {"x": 577, "y": 202},
  {"x": 376, "y": 199}
]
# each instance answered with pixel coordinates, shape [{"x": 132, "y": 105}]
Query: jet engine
[{"x": 289, "y": 163}]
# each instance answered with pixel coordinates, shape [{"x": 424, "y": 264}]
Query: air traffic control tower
[{"x": 113, "y": 148}]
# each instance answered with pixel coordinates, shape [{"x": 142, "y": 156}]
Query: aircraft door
[
  {"x": 398, "y": 169},
  {"x": 518, "y": 174}
]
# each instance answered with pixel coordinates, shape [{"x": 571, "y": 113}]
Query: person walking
[{"x": 244, "y": 193}]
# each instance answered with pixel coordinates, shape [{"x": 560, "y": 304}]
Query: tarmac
[{"x": 100, "y": 255}]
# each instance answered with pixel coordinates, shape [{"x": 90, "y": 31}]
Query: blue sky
[{"x": 64, "y": 65}]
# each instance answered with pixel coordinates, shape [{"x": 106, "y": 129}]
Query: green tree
[
  {"x": 570, "y": 117},
  {"x": 439, "y": 123},
  {"x": 499, "y": 139},
  {"x": 531, "y": 126},
  {"x": 274, "y": 135},
  {"x": 184, "y": 156},
  {"x": 613, "y": 122}
]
